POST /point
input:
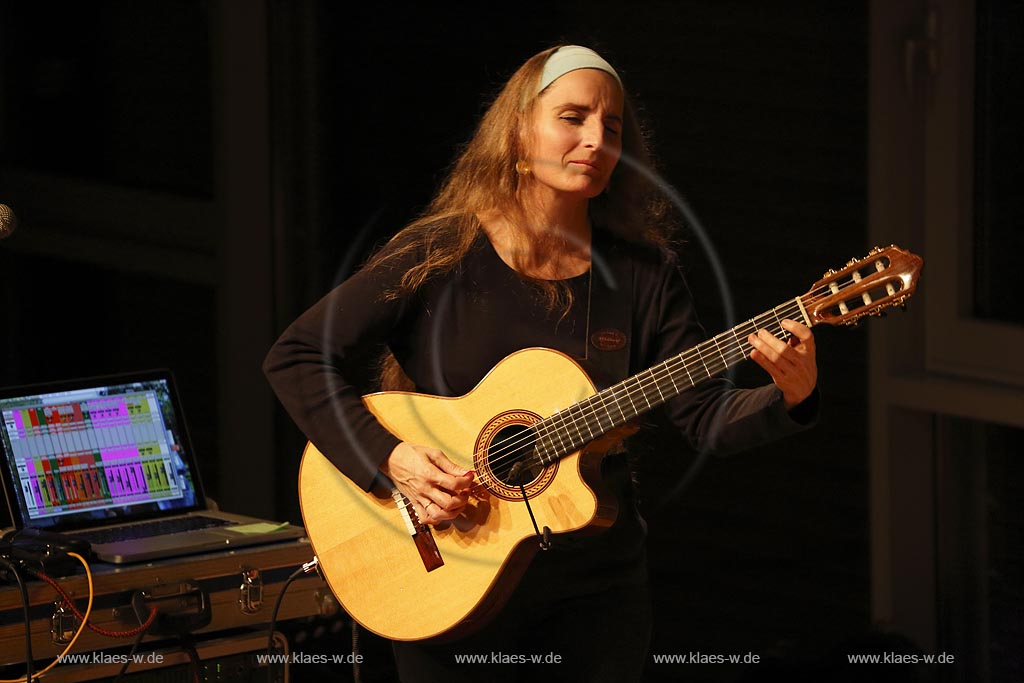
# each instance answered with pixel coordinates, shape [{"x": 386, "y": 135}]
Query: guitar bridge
[{"x": 421, "y": 534}]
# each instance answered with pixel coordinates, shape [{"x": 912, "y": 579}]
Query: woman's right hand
[{"x": 438, "y": 488}]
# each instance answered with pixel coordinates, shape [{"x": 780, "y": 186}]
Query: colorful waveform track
[{"x": 94, "y": 453}]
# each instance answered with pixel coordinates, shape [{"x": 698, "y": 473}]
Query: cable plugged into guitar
[{"x": 515, "y": 474}]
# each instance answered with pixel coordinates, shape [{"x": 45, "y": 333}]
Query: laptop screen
[{"x": 96, "y": 451}]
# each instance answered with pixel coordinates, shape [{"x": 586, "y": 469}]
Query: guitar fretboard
[{"x": 570, "y": 429}]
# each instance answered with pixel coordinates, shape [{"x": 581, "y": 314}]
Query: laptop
[{"x": 109, "y": 460}]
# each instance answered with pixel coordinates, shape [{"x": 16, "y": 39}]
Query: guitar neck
[{"x": 570, "y": 429}]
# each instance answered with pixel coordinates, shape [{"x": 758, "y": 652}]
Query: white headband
[{"x": 570, "y": 58}]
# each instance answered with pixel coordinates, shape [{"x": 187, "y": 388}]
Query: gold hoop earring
[{"x": 522, "y": 167}]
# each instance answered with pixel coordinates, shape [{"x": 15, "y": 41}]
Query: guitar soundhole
[
  {"x": 508, "y": 439},
  {"x": 510, "y": 446}
]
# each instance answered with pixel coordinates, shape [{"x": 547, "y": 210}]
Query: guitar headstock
[{"x": 885, "y": 277}]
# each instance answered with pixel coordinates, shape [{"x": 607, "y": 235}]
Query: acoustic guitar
[{"x": 534, "y": 430}]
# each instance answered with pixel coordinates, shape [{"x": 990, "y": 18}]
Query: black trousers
[{"x": 582, "y": 612}]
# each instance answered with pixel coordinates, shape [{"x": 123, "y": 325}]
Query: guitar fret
[
  {"x": 544, "y": 452},
  {"x": 633, "y": 405},
  {"x": 671, "y": 378},
  {"x": 559, "y": 431},
  {"x": 590, "y": 418},
  {"x": 618, "y": 403},
  {"x": 724, "y": 361},
  {"x": 608, "y": 416},
  {"x": 556, "y": 446},
  {"x": 552, "y": 433},
  {"x": 643, "y": 392},
  {"x": 587, "y": 420},
  {"x": 782, "y": 330},
  {"x": 576, "y": 424},
  {"x": 753, "y": 330},
  {"x": 739, "y": 344},
  {"x": 668, "y": 385},
  {"x": 565, "y": 429},
  {"x": 688, "y": 375},
  {"x": 762, "y": 325},
  {"x": 538, "y": 439},
  {"x": 701, "y": 357},
  {"x": 659, "y": 391},
  {"x": 547, "y": 441}
]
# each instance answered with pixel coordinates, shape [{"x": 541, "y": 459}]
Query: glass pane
[{"x": 999, "y": 165}]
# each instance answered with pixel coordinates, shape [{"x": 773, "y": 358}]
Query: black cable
[
  {"x": 356, "y": 676},
  {"x": 128, "y": 659},
  {"x": 29, "y": 664},
  {"x": 277, "y": 608},
  {"x": 545, "y": 537},
  {"x": 189, "y": 646}
]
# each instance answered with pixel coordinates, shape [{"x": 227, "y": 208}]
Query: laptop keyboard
[{"x": 160, "y": 527}]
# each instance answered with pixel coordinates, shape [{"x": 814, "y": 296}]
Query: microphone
[{"x": 8, "y": 221}]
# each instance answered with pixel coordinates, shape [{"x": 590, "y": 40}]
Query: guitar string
[
  {"x": 788, "y": 308},
  {"x": 660, "y": 375},
  {"x": 587, "y": 410},
  {"x": 556, "y": 429},
  {"x": 501, "y": 457},
  {"x": 561, "y": 424},
  {"x": 669, "y": 370},
  {"x": 584, "y": 412}
]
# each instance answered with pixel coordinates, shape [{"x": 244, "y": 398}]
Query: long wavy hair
[{"x": 484, "y": 180}]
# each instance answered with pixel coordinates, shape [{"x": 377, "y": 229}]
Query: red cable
[{"x": 98, "y": 629}]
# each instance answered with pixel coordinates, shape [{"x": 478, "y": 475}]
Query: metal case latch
[
  {"x": 63, "y": 624},
  {"x": 250, "y": 593}
]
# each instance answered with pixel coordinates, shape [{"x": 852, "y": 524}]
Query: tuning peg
[
  {"x": 829, "y": 273},
  {"x": 852, "y": 261}
]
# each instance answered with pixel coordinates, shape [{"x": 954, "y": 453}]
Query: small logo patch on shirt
[{"x": 608, "y": 339}]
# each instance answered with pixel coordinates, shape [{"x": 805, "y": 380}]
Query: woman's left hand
[{"x": 791, "y": 365}]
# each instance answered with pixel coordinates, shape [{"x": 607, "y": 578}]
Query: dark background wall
[{"x": 135, "y": 138}]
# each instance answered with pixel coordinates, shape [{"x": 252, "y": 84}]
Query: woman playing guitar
[{"x": 549, "y": 195}]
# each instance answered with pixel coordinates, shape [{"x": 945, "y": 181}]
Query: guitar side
[{"x": 365, "y": 549}]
